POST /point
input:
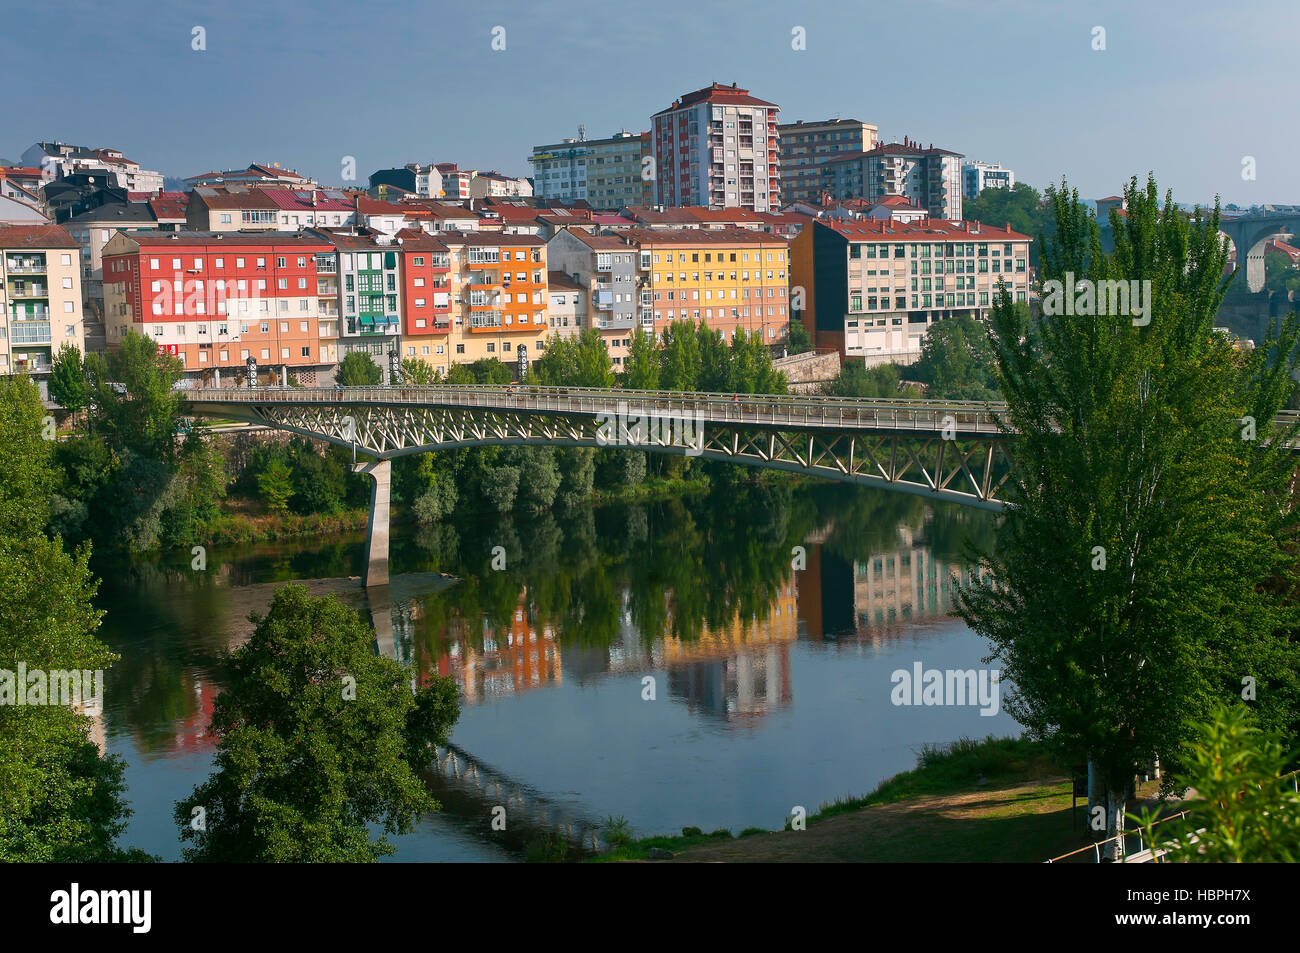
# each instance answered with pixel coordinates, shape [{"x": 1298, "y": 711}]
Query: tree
[
  {"x": 460, "y": 375},
  {"x": 957, "y": 361},
  {"x": 1127, "y": 590},
  {"x": 60, "y": 800},
  {"x": 715, "y": 360},
  {"x": 318, "y": 738},
  {"x": 275, "y": 484},
  {"x": 358, "y": 370},
  {"x": 68, "y": 385},
  {"x": 135, "y": 404},
  {"x": 558, "y": 364},
  {"x": 418, "y": 373},
  {"x": 592, "y": 366},
  {"x": 1242, "y": 812},
  {"x": 858, "y": 380},
  {"x": 641, "y": 369},
  {"x": 679, "y": 359},
  {"x": 1021, "y": 206},
  {"x": 800, "y": 340}
]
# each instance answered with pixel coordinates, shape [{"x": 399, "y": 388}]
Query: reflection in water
[{"x": 550, "y": 654}]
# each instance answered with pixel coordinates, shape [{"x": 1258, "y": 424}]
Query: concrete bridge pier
[{"x": 376, "y": 571}]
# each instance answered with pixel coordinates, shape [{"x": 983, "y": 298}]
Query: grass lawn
[{"x": 1000, "y": 799}]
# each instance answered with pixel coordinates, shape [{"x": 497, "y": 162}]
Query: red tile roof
[
  {"x": 877, "y": 230},
  {"x": 559, "y": 281},
  {"x": 35, "y": 236},
  {"x": 301, "y": 200},
  {"x": 702, "y": 236},
  {"x": 718, "y": 93}
]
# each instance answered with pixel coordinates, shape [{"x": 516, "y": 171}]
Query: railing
[
  {"x": 790, "y": 410},
  {"x": 1096, "y": 848}
]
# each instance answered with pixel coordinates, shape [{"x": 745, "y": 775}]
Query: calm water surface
[{"x": 771, "y": 685}]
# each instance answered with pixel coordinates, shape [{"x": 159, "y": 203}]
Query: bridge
[
  {"x": 951, "y": 450},
  {"x": 943, "y": 450},
  {"x": 1249, "y": 233}
]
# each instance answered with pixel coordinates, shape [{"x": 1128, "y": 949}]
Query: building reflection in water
[{"x": 882, "y": 597}]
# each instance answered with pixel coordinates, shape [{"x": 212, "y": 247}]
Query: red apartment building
[{"x": 217, "y": 299}]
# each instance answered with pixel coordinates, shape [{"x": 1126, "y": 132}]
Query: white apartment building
[
  {"x": 717, "y": 147},
  {"x": 978, "y": 176}
]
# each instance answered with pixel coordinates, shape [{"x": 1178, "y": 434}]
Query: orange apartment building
[{"x": 498, "y": 293}]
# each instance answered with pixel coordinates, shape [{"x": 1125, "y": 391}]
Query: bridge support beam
[{"x": 376, "y": 571}]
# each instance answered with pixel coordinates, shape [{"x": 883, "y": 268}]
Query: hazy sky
[{"x": 1186, "y": 88}]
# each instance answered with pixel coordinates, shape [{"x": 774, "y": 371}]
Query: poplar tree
[{"x": 1148, "y": 505}]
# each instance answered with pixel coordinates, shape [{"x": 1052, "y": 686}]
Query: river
[{"x": 713, "y": 661}]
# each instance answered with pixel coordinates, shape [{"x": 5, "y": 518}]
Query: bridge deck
[{"x": 760, "y": 410}]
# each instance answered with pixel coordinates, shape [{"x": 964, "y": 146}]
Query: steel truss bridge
[
  {"x": 945, "y": 450},
  {"x": 949, "y": 450}
]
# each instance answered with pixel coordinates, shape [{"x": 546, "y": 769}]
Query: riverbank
[{"x": 1000, "y": 799}]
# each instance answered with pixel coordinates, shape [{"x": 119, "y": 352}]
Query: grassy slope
[{"x": 992, "y": 800}]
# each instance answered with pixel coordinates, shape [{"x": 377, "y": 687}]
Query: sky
[{"x": 1187, "y": 89}]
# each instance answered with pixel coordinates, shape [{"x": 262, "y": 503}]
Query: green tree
[
  {"x": 957, "y": 360},
  {"x": 715, "y": 372},
  {"x": 641, "y": 369},
  {"x": 60, "y": 800},
  {"x": 1126, "y": 593},
  {"x": 1021, "y": 206},
  {"x": 489, "y": 370},
  {"x": 318, "y": 738},
  {"x": 68, "y": 385},
  {"x": 358, "y": 370},
  {"x": 1242, "y": 810},
  {"x": 418, "y": 373},
  {"x": 592, "y": 366},
  {"x": 857, "y": 380},
  {"x": 679, "y": 367},
  {"x": 135, "y": 404},
  {"x": 800, "y": 340},
  {"x": 460, "y": 375},
  {"x": 275, "y": 484}
]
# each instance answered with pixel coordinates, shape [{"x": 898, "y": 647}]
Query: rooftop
[
  {"x": 718, "y": 93},
  {"x": 867, "y": 230},
  {"x": 35, "y": 236}
]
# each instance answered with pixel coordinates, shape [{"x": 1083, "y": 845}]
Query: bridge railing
[{"x": 770, "y": 409}]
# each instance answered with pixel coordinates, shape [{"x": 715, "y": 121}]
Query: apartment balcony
[
  {"x": 23, "y": 267},
  {"x": 484, "y": 279},
  {"x": 486, "y": 321},
  {"x": 327, "y": 266},
  {"x": 483, "y": 300},
  {"x": 35, "y": 314},
  {"x": 32, "y": 365},
  {"x": 29, "y": 332},
  {"x": 440, "y": 262},
  {"x": 368, "y": 324},
  {"x": 29, "y": 291}
]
